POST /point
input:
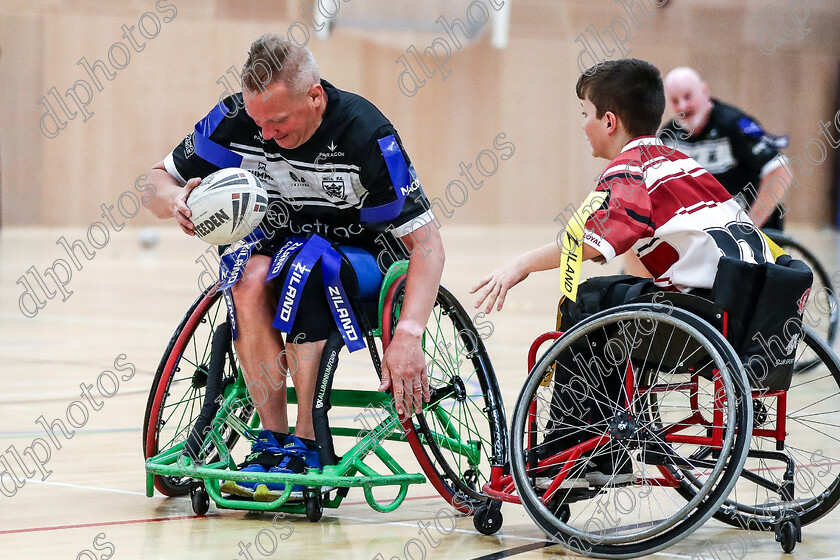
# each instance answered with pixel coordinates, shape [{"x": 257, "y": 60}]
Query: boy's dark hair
[{"x": 630, "y": 88}]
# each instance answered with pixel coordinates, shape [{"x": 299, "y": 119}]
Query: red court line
[
  {"x": 152, "y": 520},
  {"x": 102, "y": 524}
]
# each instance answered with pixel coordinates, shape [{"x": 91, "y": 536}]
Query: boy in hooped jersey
[{"x": 651, "y": 199}]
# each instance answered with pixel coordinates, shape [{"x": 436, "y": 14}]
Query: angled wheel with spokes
[
  {"x": 178, "y": 390},
  {"x": 461, "y": 432},
  {"x": 675, "y": 384}
]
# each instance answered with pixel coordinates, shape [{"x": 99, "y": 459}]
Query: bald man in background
[{"x": 730, "y": 144}]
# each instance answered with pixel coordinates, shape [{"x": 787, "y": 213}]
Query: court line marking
[
  {"x": 30, "y": 433},
  {"x": 103, "y": 524},
  {"x": 541, "y": 543},
  {"x": 545, "y": 544},
  {"x": 514, "y": 551},
  {"x": 116, "y": 491},
  {"x": 91, "y": 320},
  {"x": 84, "y": 487},
  {"x": 414, "y": 525}
]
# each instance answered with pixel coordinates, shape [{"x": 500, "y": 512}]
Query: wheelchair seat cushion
[
  {"x": 601, "y": 293},
  {"x": 368, "y": 274}
]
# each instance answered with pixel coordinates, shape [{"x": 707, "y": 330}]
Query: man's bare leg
[
  {"x": 307, "y": 358},
  {"x": 259, "y": 345}
]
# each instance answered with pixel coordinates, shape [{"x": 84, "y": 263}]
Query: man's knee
[{"x": 251, "y": 288}]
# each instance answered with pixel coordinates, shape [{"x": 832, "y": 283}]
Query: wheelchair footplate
[{"x": 325, "y": 487}]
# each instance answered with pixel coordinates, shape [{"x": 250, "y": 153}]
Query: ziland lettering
[
  {"x": 340, "y": 306},
  {"x": 291, "y": 293}
]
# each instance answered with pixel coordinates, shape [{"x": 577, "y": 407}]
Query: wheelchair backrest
[
  {"x": 759, "y": 310},
  {"x": 765, "y": 303}
]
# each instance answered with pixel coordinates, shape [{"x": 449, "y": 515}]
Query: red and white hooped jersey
[{"x": 673, "y": 214}]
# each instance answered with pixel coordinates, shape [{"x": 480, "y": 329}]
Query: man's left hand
[{"x": 404, "y": 370}]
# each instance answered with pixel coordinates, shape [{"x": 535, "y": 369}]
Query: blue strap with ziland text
[
  {"x": 287, "y": 251},
  {"x": 231, "y": 267},
  {"x": 337, "y": 300},
  {"x": 232, "y": 264},
  {"x": 231, "y": 313},
  {"x": 307, "y": 255},
  {"x": 295, "y": 280},
  {"x": 401, "y": 178},
  {"x": 208, "y": 150}
]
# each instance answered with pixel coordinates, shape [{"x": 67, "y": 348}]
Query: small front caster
[
  {"x": 788, "y": 532},
  {"x": 312, "y": 502},
  {"x": 487, "y": 518},
  {"x": 200, "y": 500}
]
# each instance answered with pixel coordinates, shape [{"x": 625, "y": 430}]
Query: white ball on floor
[{"x": 148, "y": 237}]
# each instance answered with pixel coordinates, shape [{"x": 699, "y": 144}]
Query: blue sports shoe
[
  {"x": 298, "y": 458},
  {"x": 269, "y": 456}
]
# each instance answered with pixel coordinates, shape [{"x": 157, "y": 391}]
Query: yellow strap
[
  {"x": 571, "y": 255},
  {"x": 559, "y": 315},
  {"x": 774, "y": 248}
]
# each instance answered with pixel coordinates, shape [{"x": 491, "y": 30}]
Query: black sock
[
  {"x": 310, "y": 443},
  {"x": 280, "y": 437}
]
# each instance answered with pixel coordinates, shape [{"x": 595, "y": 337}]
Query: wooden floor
[{"x": 125, "y": 303}]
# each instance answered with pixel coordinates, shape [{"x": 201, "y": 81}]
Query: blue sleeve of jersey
[{"x": 203, "y": 151}]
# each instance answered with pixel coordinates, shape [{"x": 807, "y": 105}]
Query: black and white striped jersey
[
  {"x": 349, "y": 183},
  {"x": 733, "y": 147}
]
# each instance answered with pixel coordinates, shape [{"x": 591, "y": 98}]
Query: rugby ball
[{"x": 227, "y": 206}]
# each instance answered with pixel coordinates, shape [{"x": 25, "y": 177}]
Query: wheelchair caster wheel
[
  {"x": 788, "y": 532},
  {"x": 314, "y": 509},
  {"x": 200, "y": 500},
  {"x": 787, "y": 536},
  {"x": 488, "y": 518}
]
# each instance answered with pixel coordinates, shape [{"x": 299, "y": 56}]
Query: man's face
[
  {"x": 287, "y": 119},
  {"x": 596, "y": 129},
  {"x": 686, "y": 94}
]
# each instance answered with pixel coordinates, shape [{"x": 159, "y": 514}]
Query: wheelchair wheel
[
  {"x": 642, "y": 388},
  {"x": 809, "y": 485},
  {"x": 178, "y": 390},
  {"x": 462, "y": 432},
  {"x": 821, "y": 313}
]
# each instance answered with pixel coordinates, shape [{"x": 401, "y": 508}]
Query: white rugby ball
[{"x": 227, "y": 206}]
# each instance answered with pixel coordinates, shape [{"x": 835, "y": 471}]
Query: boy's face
[{"x": 596, "y": 130}]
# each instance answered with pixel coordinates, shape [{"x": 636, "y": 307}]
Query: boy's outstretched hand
[{"x": 494, "y": 287}]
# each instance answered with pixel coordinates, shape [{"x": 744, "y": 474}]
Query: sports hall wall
[{"x": 513, "y": 109}]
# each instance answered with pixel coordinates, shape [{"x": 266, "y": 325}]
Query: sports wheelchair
[
  {"x": 199, "y": 409},
  {"x": 701, "y": 438}
]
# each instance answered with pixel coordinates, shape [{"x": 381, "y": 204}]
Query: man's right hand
[{"x": 180, "y": 209}]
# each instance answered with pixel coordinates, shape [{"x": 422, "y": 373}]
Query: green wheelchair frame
[{"x": 459, "y": 438}]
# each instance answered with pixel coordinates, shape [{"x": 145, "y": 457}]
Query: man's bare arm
[
  {"x": 404, "y": 364},
  {"x": 774, "y": 188},
  {"x": 170, "y": 200}
]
